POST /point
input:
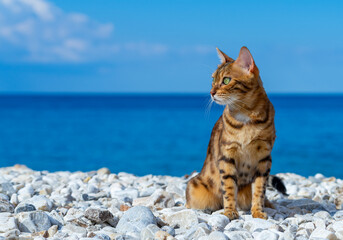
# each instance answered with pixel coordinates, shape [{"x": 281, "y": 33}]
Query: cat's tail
[{"x": 276, "y": 182}]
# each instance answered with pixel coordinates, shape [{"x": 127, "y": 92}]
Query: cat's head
[{"x": 235, "y": 80}]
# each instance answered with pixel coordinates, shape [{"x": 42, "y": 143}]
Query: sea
[{"x": 158, "y": 134}]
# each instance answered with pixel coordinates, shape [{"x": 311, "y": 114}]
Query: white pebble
[{"x": 322, "y": 233}]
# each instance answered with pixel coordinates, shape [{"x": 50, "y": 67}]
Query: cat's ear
[
  {"x": 223, "y": 57},
  {"x": 245, "y": 60}
]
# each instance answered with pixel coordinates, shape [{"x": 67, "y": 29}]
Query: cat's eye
[{"x": 226, "y": 80}]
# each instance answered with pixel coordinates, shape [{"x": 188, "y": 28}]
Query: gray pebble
[
  {"x": 169, "y": 230},
  {"x": 4, "y": 197},
  {"x": 135, "y": 219},
  {"x": 267, "y": 235},
  {"x": 98, "y": 215},
  {"x": 6, "y": 188},
  {"x": 216, "y": 235},
  {"x": 73, "y": 229},
  {"x": 338, "y": 215},
  {"x": 24, "y": 207},
  {"x": 148, "y": 233},
  {"x": 238, "y": 235},
  {"x": 33, "y": 221},
  {"x": 185, "y": 218},
  {"x": 6, "y": 206}
]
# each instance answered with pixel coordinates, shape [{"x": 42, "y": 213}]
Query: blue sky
[{"x": 167, "y": 46}]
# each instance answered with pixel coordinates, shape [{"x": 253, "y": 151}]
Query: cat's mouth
[{"x": 219, "y": 100}]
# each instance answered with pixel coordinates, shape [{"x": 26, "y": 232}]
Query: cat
[{"x": 236, "y": 170}]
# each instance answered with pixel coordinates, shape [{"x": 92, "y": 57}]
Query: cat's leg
[
  {"x": 268, "y": 204},
  {"x": 228, "y": 176},
  {"x": 244, "y": 197},
  {"x": 200, "y": 194},
  {"x": 259, "y": 189}
]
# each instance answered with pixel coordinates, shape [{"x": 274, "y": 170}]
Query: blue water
[{"x": 158, "y": 134}]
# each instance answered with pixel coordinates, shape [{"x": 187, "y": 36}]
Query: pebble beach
[{"x": 104, "y": 205}]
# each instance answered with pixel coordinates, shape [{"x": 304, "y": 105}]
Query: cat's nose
[{"x": 213, "y": 92}]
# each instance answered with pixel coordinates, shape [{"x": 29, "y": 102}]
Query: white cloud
[
  {"x": 41, "y": 32},
  {"x": 38, "y": 31},
  {"x": 41, "y": 8}
]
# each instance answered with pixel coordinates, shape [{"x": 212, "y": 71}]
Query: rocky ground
[{"x": 103, "y": 205}]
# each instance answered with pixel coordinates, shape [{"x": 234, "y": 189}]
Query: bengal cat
[{"x": 238, "y": 162}]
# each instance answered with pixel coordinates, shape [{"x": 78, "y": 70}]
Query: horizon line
[{"x": 147, "y": 93}]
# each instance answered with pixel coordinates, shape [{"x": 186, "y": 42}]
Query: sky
[{"x": 132, "y": 46}]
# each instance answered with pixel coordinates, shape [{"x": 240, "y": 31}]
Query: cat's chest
[
  {"x": 247, "y": 147},
  {"x": 246, "y": 135},
  {"x": 241, "y": 117},
  {"x": 245, "y": 172}
]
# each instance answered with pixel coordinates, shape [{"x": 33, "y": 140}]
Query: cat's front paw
[
  {"x": 231, "y": 214},
  {"x": 259, "y": 214}
]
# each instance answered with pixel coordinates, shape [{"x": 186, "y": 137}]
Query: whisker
[
  {"x": 235, "y": 103},
  {"x": 208, "y": 108},
  {"x": 241, "y": 101},
  {"x": 207, "y": 102},
  {"x": 241, "y": 107}
]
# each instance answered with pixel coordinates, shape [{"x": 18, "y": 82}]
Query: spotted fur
[{"x": 238, "y": 162}]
